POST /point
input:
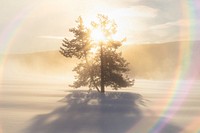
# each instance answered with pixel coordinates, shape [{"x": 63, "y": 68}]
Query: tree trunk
[
  {"x": 102, "y": 71},
  {"x": 91, "y": 73}
]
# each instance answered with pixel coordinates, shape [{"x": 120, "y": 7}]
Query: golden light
[
  {"x": 97, "y": 35},
  {"x": 94, "y": 50}
]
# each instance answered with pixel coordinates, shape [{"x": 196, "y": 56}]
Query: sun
[
  {"x": 94, "y": 50},
  {"x": 97, "y": 35}
]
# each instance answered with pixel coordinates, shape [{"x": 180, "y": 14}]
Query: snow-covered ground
[{"x": 46, "y": 106}]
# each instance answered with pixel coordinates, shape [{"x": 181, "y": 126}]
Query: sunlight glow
[
  {"x": 94, "y": 50},
  {"x": 130, "y": 21},
  {"x": 97, "y": 35}
]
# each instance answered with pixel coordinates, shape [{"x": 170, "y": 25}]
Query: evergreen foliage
[{"x": 106, "y": 67}]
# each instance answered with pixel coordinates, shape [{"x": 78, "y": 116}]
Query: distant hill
[
  {"x": 162, "y": 61},
  {"x": 152, "y": 61}
]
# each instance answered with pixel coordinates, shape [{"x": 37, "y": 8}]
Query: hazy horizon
[
  {"x": 124, "y": 46},
  {"x": 146, "y": 61}
]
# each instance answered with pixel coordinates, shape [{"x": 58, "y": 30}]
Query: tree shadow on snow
[{"x": 114, "y": 112}]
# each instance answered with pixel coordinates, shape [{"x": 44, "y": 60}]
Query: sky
[{"x": 39, "y": 25}]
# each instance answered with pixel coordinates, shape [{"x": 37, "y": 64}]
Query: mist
[
  {"x": 40, "y": 66},
  {"x": 163, "y": 61},
  {"x": 153, "y": 61}
]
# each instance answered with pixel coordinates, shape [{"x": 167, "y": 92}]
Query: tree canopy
[{"x": 101, "y": 64}]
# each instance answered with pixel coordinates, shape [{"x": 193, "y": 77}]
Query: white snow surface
[{"x": 48, "y": 105}]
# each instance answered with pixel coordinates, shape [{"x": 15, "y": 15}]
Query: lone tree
[{"x": 101, "y": 65}]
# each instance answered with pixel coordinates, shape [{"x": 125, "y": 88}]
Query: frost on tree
[{"x": 101, "y": 64}]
